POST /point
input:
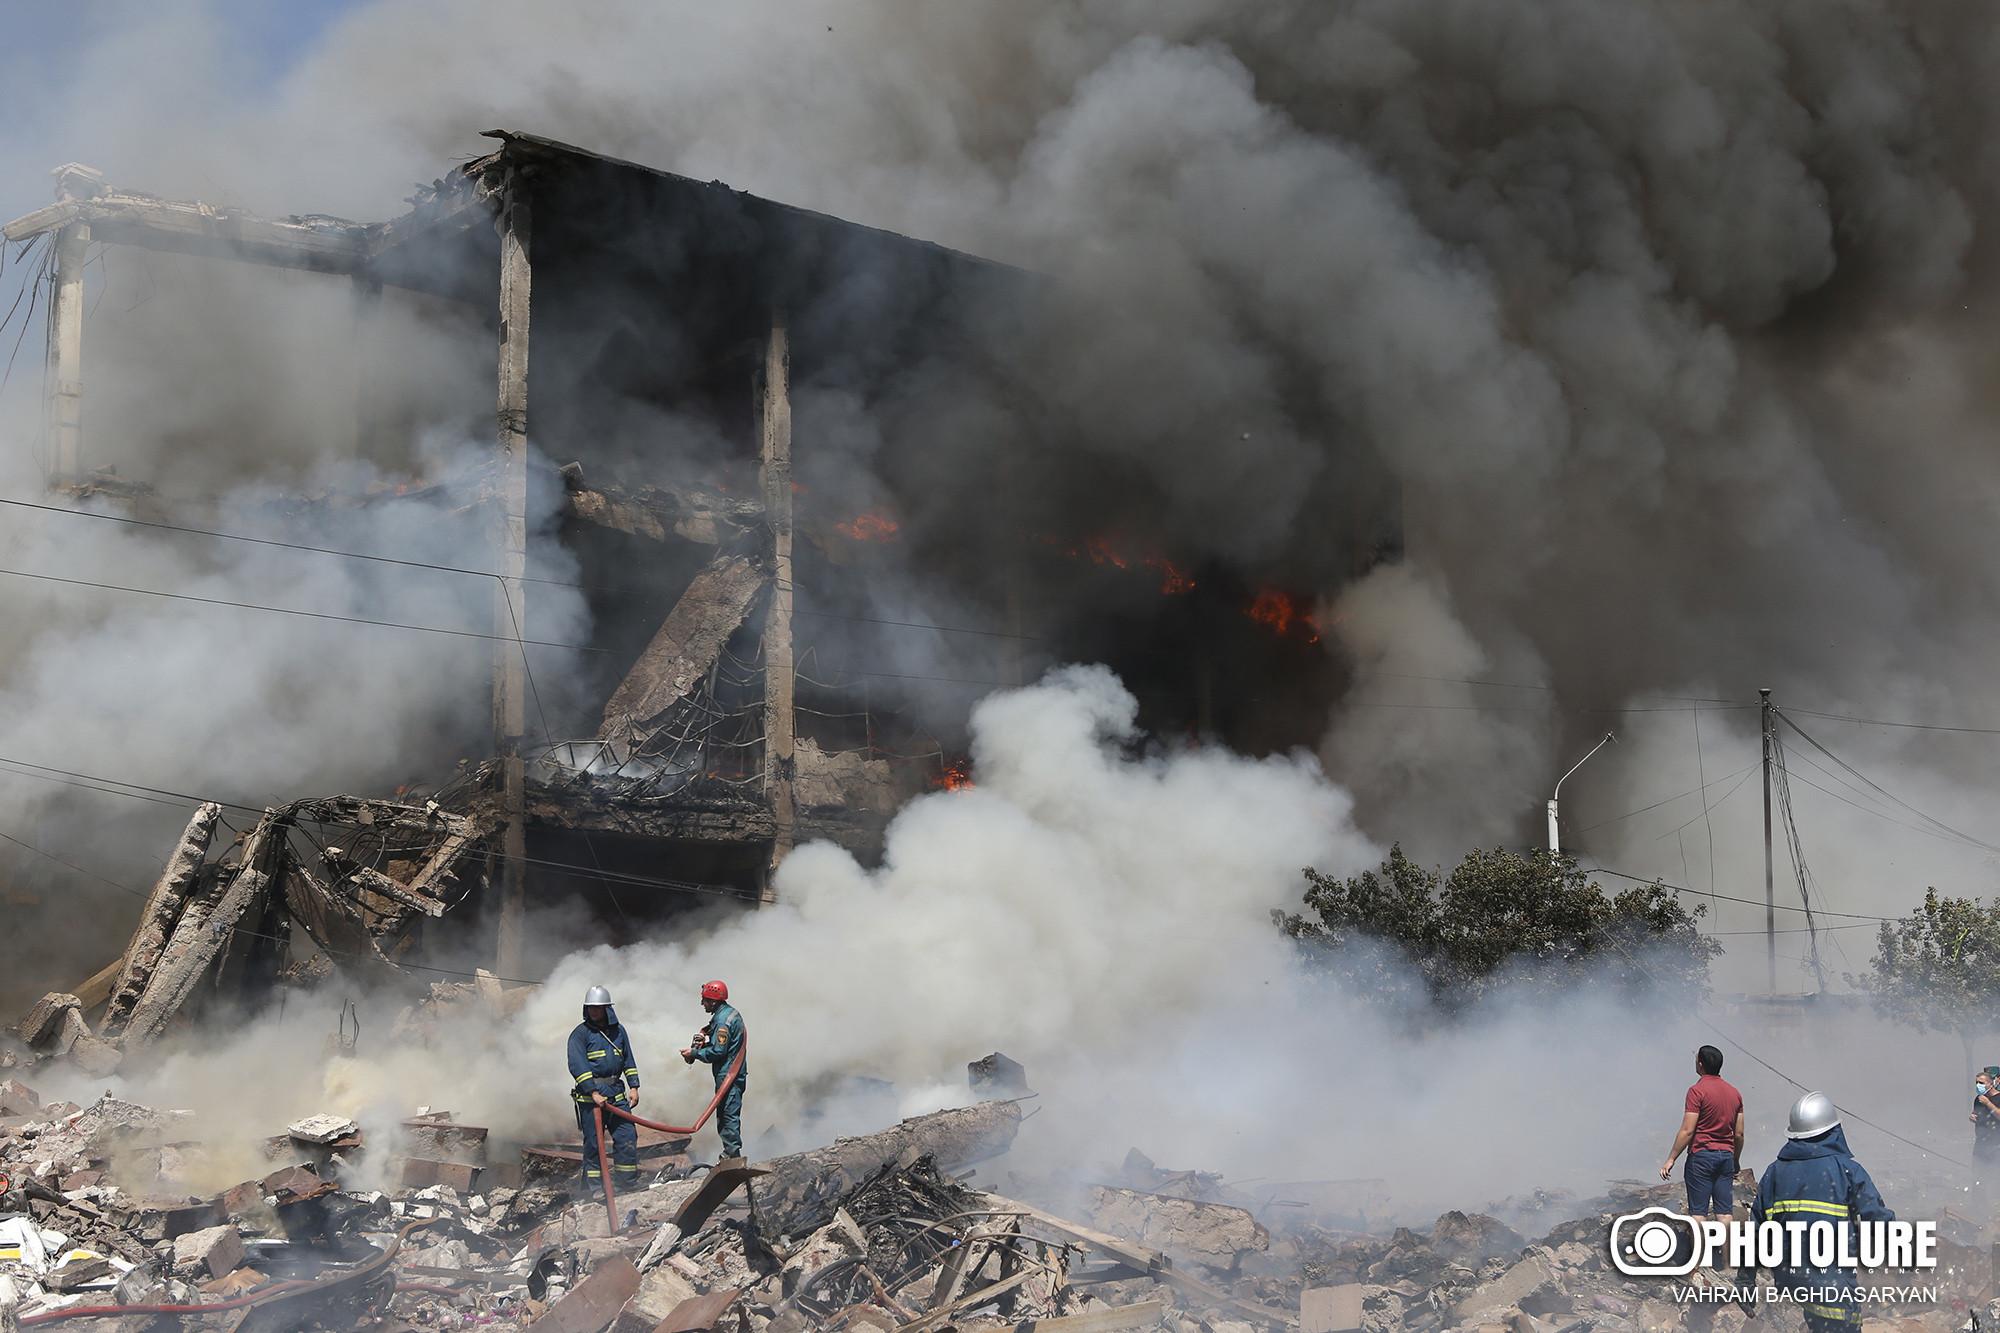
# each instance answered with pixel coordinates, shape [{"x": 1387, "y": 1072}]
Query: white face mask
[{"x": 1979, "y": 1089}]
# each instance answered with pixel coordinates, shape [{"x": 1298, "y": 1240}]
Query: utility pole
[{"x": 1769, "y": 716}]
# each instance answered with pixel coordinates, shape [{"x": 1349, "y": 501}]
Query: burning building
[{"x": 741, "y": 691}]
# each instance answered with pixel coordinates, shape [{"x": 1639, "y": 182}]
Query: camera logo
[{"x": 1655, "y": 1242}]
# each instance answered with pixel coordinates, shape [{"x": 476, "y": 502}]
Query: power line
[
  {"x": 1881, "y": 722},
  {"x": 1845, "y": 1110},
  {"x": 270, "y": 541},
  {"x": 1701, "y": 772},
  {"x": 406, "y": 563},
  {"x": 294, "y": 611},
  {"x": 1668, "y": 800},
  {"x": 1741, "y": 778},
  {"x": 1753, "y": 902},
  {"x": 1884, "y": 791}
]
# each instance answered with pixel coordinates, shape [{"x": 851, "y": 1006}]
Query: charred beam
[{"x": 659, "y": 512}]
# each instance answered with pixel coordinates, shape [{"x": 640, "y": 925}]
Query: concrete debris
[
  {"x": 44, "y": 1025},
  {"x": 17, "y": 1098},
  {"x": 1215, "y": 1234},
  {"x": 878, "y": 1231},
  {"x": 995, "y": 1076},
  {"x": 358, "y": 902},
  {"x": 321, "y": 1128},
  {"x": 210, "y": 1252}
]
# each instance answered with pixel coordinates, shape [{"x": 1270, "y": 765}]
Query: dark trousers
[
  {"x": 624, "y": 1136},
  {"x": 1711, "y": 1182},
  {"x": 729, "y": 1120}
]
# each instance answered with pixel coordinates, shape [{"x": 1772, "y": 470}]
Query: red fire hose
[{"x": 598, "y": 1109}]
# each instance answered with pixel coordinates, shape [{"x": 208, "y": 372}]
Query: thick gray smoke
[{"x": 1668, "y": 319}]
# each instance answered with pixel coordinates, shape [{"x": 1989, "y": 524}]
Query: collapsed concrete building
[{"x": 610, "y": 289}]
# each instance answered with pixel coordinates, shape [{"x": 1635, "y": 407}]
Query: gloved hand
[
  {"x": 687, "y": 1055},
  {"x": 597, "y": 1097},
  {"x": 631, "y": 1099}
]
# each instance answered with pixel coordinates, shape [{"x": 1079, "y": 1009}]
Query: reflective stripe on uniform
[
  {"x": 585, "y": 1076},
  {"x": 1807, "y": 1206},
  {"x": 622, "y": 1167},
  {"x": 595, "y": 1055},
  {"x": 1827, "y": 1311},
  {"x": 631, "y": 1073}
]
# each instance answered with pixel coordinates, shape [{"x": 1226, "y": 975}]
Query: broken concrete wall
[
  {"x": 683, "y": 649},
  {"x": 177, "y": 883},
  {"x": 848, "y": 780},
  {"x": 206, "y": 927}
]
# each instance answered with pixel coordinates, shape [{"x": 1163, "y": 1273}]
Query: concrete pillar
[
  {"x": 510, "y": 612},
  {"x": 775, "y": 457},
  {"x": 65, "y": 404}
]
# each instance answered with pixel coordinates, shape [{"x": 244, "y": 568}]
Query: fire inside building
[{"x": 745, "y": 698}]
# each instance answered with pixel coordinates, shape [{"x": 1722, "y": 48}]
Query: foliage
[
  {"x": 1401, "y": 933},
  {"x": 1938, "y": 969}
]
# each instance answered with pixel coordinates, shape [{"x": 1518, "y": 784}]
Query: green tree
[
  {"x": 1938, "y": 969},
  {"x": 1400, "y": 932}
]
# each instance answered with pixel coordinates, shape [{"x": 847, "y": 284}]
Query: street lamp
[{"x": 1555, "y": 843}]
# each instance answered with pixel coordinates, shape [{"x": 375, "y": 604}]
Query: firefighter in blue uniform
[
  {"x": 1816, "y": 1178},
  {"x": 717, "y": 1045},
  {"x": 604, "y": 1070}
]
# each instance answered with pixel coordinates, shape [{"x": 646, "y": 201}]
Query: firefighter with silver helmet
[
  {"x": 1816, "y": 1179},
  {"x": 717, "y": 1045},
  {"x": 604, "y": 1071}
]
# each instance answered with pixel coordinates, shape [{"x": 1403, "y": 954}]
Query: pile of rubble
[{"x": 887, "y": 1231}]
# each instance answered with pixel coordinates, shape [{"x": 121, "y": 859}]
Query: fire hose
[
  {"x": 258, "y": 1297},
  {"x": 598, "y": 1109}
]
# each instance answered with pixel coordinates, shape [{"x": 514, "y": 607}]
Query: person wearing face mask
[
  {"x": 1712, "y": 1133},
  {"x": 1986, "y": 1115}
]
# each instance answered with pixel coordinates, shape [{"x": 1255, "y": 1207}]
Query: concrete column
[
  {"x": 65, "y": 404},
  {"x": 510, "y": 612},
  {"x": 775, "y": 457}
]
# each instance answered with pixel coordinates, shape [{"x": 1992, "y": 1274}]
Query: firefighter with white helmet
[
  {"x": 1815, "y": 1180},
  {"x": 603, "y": 1071}
]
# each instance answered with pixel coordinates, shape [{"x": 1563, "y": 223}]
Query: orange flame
[
  {"x": 1284, "y": 615},
  {"x": 955, "y": 776},
  {"x": 869, "y": 528},
  {"x": 1102, "y": 552},
  {"x": 1173, "y": 579},
  {"x": 1107, "y": 550}
]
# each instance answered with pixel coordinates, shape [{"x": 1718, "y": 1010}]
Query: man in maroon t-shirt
[{"x": 1712, "y": 1134}]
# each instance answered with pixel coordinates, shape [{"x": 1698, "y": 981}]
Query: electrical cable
[
  {"x": 294, "y": 611},
  {"x": 1669, "y": 800},
  {"x": 1760, "y": 1060},
  {"x": 1753, "y": 902},
  {"x": 1884, "y": 791}
]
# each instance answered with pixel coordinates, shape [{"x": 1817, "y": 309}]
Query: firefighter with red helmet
[{"x": 717, "y": 1045}]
